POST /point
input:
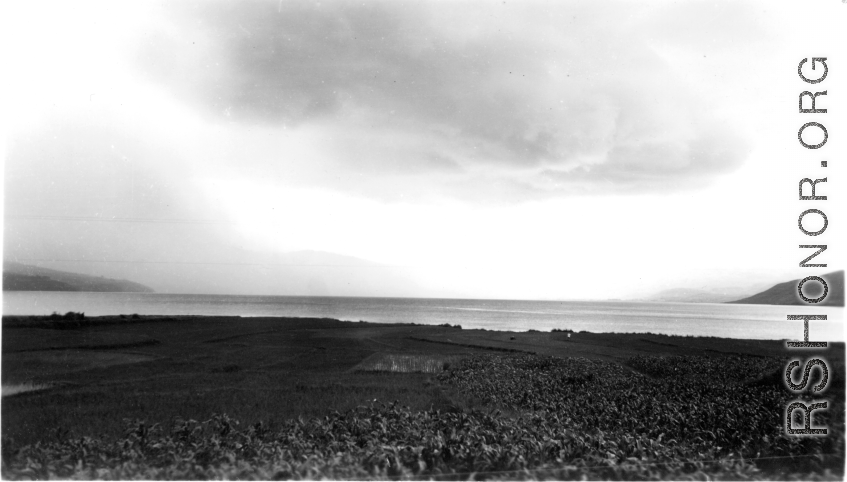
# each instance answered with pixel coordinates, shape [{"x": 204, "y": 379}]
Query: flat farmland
[{"x": 111, "y": 380}]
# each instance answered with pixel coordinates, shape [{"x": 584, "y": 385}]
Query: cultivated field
[
  {"x": 199, "y": 397},
  {"x": 397, "y": 363}
]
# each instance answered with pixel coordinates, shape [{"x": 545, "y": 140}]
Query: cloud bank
[{"x": 472, "y": 100}]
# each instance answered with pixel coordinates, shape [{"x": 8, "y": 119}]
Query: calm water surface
[{"x": 701, "y": 319}]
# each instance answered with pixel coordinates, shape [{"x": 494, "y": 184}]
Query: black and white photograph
[{"x": 423, "y": 240}]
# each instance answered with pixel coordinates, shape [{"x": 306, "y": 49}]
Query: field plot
[
  {"x": 39, "y": 339},
  {"x": 38, "y": 364},
  {"x": 391, "y": 362},
  {"x": 16, "y": 388}
]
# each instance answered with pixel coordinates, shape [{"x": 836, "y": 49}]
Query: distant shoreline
[
  {"x": 716, "y": 320},
  {"x": 71, "y": 320}
]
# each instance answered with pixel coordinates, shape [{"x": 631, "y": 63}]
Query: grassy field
[{"x": 111, "y": 380}]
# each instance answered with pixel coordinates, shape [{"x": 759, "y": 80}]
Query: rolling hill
[
  {"x": 694, "y": 295},
  {"x": 22, "y": 277},
  {"x": 786, "y": 293}
]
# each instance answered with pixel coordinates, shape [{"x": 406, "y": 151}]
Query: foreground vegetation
[
  {"x": 700, "y": 416},
  {"x": 144, "y": 397},
  {"x": 543, "y": 417}
]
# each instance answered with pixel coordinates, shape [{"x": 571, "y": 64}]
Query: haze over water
[{"x": 697, "y": 319}]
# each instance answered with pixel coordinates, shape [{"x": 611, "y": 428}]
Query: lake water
[{"x": 700, "y": 319}]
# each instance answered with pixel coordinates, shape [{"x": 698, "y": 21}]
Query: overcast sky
[{"x": 475, "y": 149}]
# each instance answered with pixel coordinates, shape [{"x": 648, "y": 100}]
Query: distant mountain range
[
  {"x": 22, "y": 277},
  {"x": 786, "y": 293},
  {"x": 691, "y": 295}
]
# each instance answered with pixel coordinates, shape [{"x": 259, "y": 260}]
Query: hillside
[
  {"x": 691, "y": 295},
  {"x": 21, "y": 277},
  {"x": 786, "y": 293}
]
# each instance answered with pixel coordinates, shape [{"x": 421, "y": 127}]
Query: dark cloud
[{"x": 576, "y": 92}]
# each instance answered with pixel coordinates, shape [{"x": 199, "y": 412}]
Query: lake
[{"x": 698, "y": 319}]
